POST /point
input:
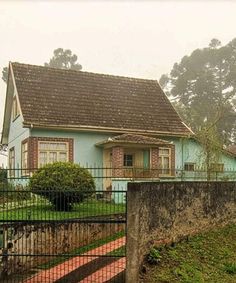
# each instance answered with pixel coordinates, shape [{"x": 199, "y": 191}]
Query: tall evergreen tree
[
  {"x": 62, "y": 59},
  {"x": 203, "y": 88}
]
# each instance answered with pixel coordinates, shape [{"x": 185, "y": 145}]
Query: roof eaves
[
  {"x": 7, "y": 109},
  {"x": 29, "y": 124}
]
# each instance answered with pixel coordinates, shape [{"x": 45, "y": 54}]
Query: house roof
[
  {"x": 76, "y": 99},
  {"x": 134, "y": 139}
]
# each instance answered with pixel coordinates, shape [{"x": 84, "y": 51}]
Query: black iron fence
[
  {"x": 48, "y": 241},
  {"x": 54, "y": 241}
]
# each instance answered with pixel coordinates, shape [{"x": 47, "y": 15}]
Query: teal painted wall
[
  {"x": 85, "y": 151},
  {"x": 87, "y": 154},
  {"x": 189, "y": 150},
  {"x": 16, "y": 135}
]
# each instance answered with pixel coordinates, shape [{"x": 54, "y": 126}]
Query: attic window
[{"x": 15, "y": 109}]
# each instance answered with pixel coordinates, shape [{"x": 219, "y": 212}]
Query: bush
[
  {"x": 154, "y": 256},
  {"x": 63, "y": 184}
]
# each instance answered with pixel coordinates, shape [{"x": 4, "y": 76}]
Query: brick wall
[
  {"x": 154, "y": 162},
  {"x": 172, "y": 164},
  {"x": 117, "y": 161},
  {"x": 33, "y": 148}
]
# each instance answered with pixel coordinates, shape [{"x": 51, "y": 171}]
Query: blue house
[{"x": 125, "y": 126}]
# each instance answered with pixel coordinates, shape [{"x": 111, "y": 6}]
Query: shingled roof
[
  {"x": 74, "y": 99},
  {"x": 134, "y": 139}
]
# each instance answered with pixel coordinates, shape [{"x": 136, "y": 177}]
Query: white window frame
[
  {"x": 12, "y": 160},
  {"x": 127, "y": 166},
  {"x": 25, "y": 158},
  {"x": 57, "y": 151},
  {"x": 162, "y": 156},
  {"x": 15, "y": 109}
]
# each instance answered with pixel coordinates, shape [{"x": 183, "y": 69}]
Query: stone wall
[
  {"x": 167, "y": 212},
  {"x": 53, "y": 238}
]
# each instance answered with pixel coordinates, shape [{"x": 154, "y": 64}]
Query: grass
[
  {"x": 208, "y": 257},
  {"x": 47, "y": 212}
]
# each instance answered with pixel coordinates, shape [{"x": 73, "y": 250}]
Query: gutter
[{"x": 105, "y": 129}]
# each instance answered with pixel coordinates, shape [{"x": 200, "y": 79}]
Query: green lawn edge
[{"x": 208, "y": 257}]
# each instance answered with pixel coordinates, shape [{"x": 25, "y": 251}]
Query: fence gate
[{"x": 45, "y": 242}]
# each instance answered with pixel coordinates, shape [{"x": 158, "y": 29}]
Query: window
[
  {"x": 164, "y": 160},
  {"x": 12, "y": 162},
  {"x": 15, "y": 109},
  {"x": 50, "y": 152},
  {"x": 24, "y": 158},
  {"x": 128, "y": 160},
  {"x": 188, "y": 166},
  {"x": 217, "y": 167}
]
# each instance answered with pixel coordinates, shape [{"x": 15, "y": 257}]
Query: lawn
[
  {"x": 43, "y": 211},
  {"x": 208, "y": 257}
]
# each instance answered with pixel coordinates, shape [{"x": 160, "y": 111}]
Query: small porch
[{"x": 137, "y": 157}]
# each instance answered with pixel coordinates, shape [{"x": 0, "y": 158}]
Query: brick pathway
[
  {"x": 106, "y": 273},
  {"x": 55, "y": 273}
]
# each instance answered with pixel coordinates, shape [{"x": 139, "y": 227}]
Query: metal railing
[{"x": 39, "y": 236}]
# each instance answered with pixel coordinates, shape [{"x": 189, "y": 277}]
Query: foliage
[
  {"x": 202, "y": 87},
  {"x": 212, "y": 148},
  {"x": 64, "y": 59},
  {"x": 5, "y": 74},
  {"x": 40, "y": 209},
  {"x": 230, "y": 267},
  {"x": 3, "y": 175},
  {"x": 206, "y": 257},
  {"x": 154, "y": 256},
  {"x": 63, "y": 184}
]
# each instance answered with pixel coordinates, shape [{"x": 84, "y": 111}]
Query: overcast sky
[{"x": 131, "y": 38}]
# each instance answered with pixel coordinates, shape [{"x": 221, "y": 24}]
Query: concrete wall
[
  {"x": 167, "y": 212},
  {"x": 50, "y": 239}
]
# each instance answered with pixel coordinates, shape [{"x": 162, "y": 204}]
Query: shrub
[
  {"x": 63, "y": 184},
  {"x": 230, "y": 268},
  {"x": 154, "y": 256}
]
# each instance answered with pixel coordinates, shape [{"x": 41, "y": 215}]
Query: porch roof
[{"x": 133, "y": 139}]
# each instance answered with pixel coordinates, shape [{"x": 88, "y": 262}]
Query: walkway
[{"x": 60, "y": 272}]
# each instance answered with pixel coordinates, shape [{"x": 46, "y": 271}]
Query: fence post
[{"x": 132, "y": 247}]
